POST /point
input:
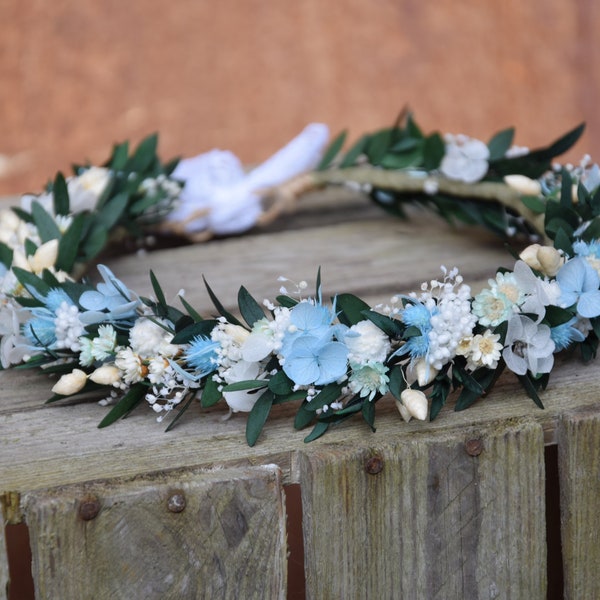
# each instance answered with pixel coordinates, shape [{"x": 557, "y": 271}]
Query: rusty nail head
[
  {"x": 374, "y": 465},
  {"x": 474, "y": 447},
  {"x": 176, "y": 502},
  {"x": 89, "y": 508}
]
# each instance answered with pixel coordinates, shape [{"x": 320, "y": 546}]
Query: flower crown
[{"x": 333, "y": 358}]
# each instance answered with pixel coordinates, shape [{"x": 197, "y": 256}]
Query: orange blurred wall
[{"x": 246, "y": 75}]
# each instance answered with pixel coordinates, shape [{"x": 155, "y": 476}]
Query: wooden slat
[
  {"x": 436, "y": 522},
  {"x": 58, "y": 445},
  {"x": 229, "y": 540},
  {"x": 579, "y": 476},
  {"x": 3, "y": 561}
]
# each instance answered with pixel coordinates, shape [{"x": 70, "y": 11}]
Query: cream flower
[
  {"x": 524, "y": 185},
  {"x": 412, "y": 403},
  {"x": 70, "y": 383},
  {"x": 43, "y": 258},
  {"x": 485, "y": 350},
  {"x": 106, "y": 375}
]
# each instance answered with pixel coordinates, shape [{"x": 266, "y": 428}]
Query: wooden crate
[{"x": 455, "y": 508}]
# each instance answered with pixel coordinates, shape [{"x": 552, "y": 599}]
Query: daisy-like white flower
[
  {"x": 368, "y": 379},
  {"x": 130, "y": 364},
  {"x": 485, "y": 350},
  {"x": 103, "y": 345}
]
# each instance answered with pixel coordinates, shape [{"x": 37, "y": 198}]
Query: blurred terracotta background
[{"x": 77, "y": 76}]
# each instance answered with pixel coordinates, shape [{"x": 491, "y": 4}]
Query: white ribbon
[{"x": 219, "y": 196}]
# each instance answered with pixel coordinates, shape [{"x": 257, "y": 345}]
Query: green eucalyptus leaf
[
  {"x": 439, "y": 395},
  {"x": 60, "y": 195},
  {"x": 6, "y": 255},
  {"x": 119, "y": 156},
  {"x": 210, "y": 393},
  {"x": 258, "y": 417},
  {"x": 351, "y": 309},
  {"x": 355, "y": 152},
  {"x": 304, "y": 416},
  {"x": 95, "y": 242},
  {"x": 280, "y": 384},
  {"x": 530, "y": 389},
  {"x": 113, "y": 209},
  {"x": 125, "y": 405},
  {"x": 500, "y": 143},
  {"x": 69, "y": 245},
  {"x": 434, "y": 149},
  {"x": 563, "y": 241},
  {"x": 390, "y": 327},
  {"x": 249, "y": 308},
  {"x": 196, "y": 329},
  {"x": 534, "y": 204},
  {"x": 286, "y": 301},
  {"x": 144, "y": 155},
  {"x": 158, "y": 292},
  {"x": 249, "y": 384},
  {"x": 180, "y": 412},
  {"x": 330, "y": 393},
  {"x": 592, "y": 232},
  {"x": 220, "y": 308},
  {"x": 30, "y": 247},
  {"x": 22, "y": 214},
  {"x": 397, "y": 383},
  {"x": 378, "y": 146},
  {"x": 561, "y": 145},
  {"x": 32, "y": 283},
  {"x": 368, "y": 413},
  {"x": 318, "y": 430},
  {"x": 191, "y": 310},
  {"x": 45, "y": 224},
  {"x": 332, "y": 151},
  {"x": 411, "y": 158}
]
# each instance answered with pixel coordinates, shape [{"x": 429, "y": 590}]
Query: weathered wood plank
[
  {"x": 435, "y": 522},
  {"x": 3, "y": 561},
  {"x": 217, "y": 534},
  {"x": 57, "y": 445},
  {"x": 579, "y": 476}
]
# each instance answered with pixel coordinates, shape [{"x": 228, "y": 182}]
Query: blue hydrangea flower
[
  {"x": 313, "y": 361},
  {"x": 202, "y": 355},
  {"x": 564, "y": 335},
  {"x": 111, "y": 300},
  {"x": 308, "y": 319},
  {"x": 579, "y": 284}
]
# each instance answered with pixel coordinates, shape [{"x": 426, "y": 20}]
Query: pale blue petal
[
  {"x": 333, "y": 362},
  {"x": 302, "y": 371},
  {"x": 92, "y": 300},
  {"x": 589, "y": 304}
]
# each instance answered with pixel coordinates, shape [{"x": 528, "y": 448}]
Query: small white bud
[
  {"x": 106, "y": 375},
  {"x": 70, "y": 383},
  {"x": 415, "y": 403},
  {"x": 45, "y": 256}
]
